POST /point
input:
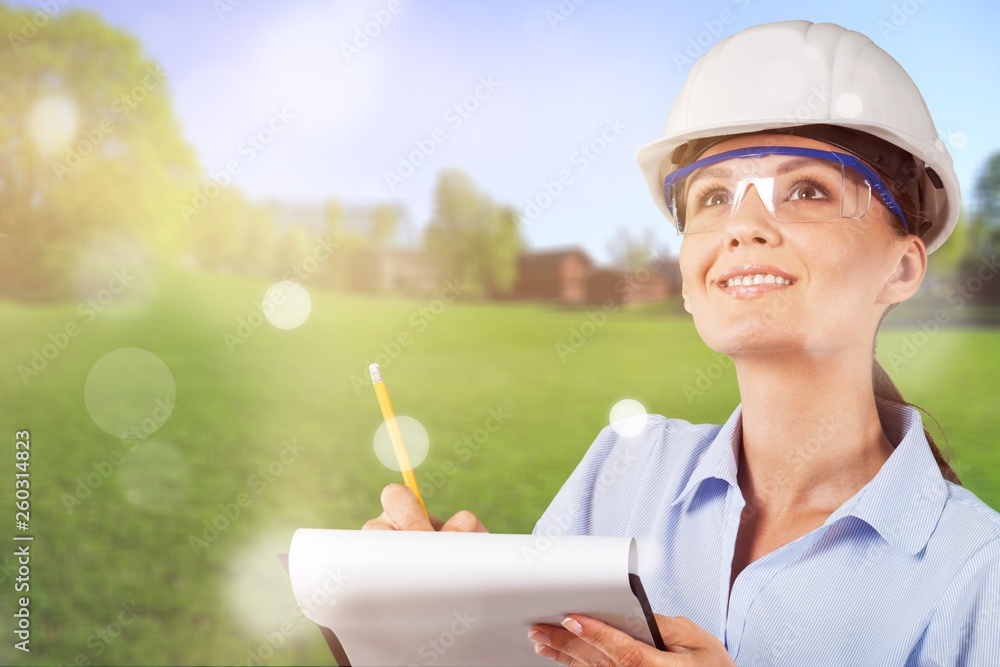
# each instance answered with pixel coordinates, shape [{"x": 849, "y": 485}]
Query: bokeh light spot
[
  {"x": 958, "y": 139},
  {"x": 628, "y": 417},
  {"x": 257, "y": 590},
  {"x": 154, "y": 477},
  {"x": 52, "y": 123},
  {"x": 849, "y": 105},
  {"x": 287, "y": 305},
  {"x": 414, "y": 436},
  {"x": 130, "y": 393}
]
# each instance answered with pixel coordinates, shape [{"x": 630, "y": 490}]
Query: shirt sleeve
[
  {"x": 965, "y": 629},
  {"x": 600, "y": 496},
  {"x": 570, "y": 511}
]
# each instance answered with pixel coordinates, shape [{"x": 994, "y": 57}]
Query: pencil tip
[{"x": 376, "y": 373}]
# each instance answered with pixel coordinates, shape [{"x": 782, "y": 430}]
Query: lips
[
  {"x": 758, "y": 279},
  {"x": 752, "y": 280}
]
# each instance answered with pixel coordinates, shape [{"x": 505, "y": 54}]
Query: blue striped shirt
[{"x": 904, "y": 573}]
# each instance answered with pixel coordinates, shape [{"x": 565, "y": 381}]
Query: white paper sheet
[{"x": 422, "y": 598}]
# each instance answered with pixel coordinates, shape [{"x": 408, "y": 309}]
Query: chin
[{"x": 753, "y": 340}]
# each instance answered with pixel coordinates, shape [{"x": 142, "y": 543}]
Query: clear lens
[{"x": 792, "y": 188}]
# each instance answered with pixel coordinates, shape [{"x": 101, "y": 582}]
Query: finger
[
  {"x": 566, "y": 648},
  {"x": 619, "y": 648},
  {"x": 464, "y": 522},
  {"x": 547, "y": 651},
  {"x": 682, "y": 634},
  {"x": 381, "y": 522},
  {"x": 403, "y": 509}
]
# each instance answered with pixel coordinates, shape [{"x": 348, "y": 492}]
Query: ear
[
  {"x": 907, "y": 273},
  {"x": 684, "y": 294}
]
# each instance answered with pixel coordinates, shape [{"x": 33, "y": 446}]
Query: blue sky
[{"x": 552, "y": 87}]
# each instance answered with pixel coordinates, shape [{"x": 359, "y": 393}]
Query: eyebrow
[{"x": 717, "y": 171}]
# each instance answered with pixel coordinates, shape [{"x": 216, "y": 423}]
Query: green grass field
[{"x": 115, "y": 578}]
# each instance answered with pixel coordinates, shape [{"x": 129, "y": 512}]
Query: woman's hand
[
  {"x": 587, "y": 641},
  {"x": 401, "y": 511}
]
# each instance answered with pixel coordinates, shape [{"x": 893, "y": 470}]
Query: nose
[{"x": 751, "y": 222}]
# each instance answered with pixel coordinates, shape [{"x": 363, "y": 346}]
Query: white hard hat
[{"x": 818, "y": 78}]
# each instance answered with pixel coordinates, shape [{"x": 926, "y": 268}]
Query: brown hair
[{"x": 883, "y": 385}]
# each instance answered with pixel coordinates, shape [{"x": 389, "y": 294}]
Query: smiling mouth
[{"x": 755, "y": 279}]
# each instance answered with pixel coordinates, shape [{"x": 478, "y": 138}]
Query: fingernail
[
  {"x": 539, "y": 637},
  {"x": 546, "y": 651},
  {"x": 572, "y": 625}
]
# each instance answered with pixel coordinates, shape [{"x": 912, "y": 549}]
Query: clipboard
[{"x": 415, "y": 598}]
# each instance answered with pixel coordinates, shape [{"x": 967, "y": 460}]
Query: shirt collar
[
  {"x": 903, "y": 502},
  {"x": 720, "y": 459}
]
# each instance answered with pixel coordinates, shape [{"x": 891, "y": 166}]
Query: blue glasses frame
[{"x": 844, "y": 159}]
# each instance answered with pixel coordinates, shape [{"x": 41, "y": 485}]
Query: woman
[{"x": 820, "y": 524}]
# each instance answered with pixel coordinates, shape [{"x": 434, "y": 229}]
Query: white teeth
[{"x": 757, "y": 279}]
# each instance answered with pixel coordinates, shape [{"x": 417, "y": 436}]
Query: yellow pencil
[{"x": 392, "y": 425}]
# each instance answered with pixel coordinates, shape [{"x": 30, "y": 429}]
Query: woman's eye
[
  {"x": 716, "y": 199},
  {"x": 807, "y": 192}
]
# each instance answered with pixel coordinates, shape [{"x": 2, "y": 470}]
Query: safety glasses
[{"x": 794, "y": 184}]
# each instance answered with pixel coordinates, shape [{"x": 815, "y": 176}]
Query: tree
[
  {"x": 472, "y": 239},
  {"x": 259, "y": 239},
  {"x": 988, "y": 192},
  {"x": 983, "y": 236},
  {"x": 293, "y": 248},
  {"x": 334, "y": 217},
  {"x": 89, "y": 148},
  {"x": 948, "y": 259},
  {"x": 384, "y": 224},
  {"x": 630, "y": 254}
]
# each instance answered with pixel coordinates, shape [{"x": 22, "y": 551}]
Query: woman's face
[{"x": 830, "y": 276}]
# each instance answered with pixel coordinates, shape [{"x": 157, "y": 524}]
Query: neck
[{"x": 811, "y": 432}]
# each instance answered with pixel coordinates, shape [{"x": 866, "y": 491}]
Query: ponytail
[
  {"x": 886, "y": 389},
  {"x": 883, "y": 385}
]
